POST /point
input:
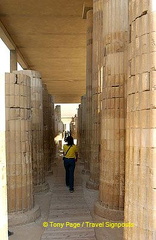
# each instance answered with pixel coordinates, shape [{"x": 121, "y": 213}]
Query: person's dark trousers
[{"x": 69, "y": 164}]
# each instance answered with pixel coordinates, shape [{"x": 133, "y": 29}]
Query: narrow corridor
[
  {"x": 101, "y": 56},
  {"x": 68, "y": 208},
  {"x": 58, "y": 205}
]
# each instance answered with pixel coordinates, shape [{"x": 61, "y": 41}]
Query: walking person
[{"x": 70, "y": 154}]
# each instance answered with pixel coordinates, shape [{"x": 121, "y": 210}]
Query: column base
[
  {"x": 110, "y": 214},
  {"x": 21, "y": 218},
  {"x": 92, "y": 185},
  {"x": 41, "y": 188}
]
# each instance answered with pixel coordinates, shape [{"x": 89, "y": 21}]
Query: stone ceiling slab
[{"x": 51, "y": 36}]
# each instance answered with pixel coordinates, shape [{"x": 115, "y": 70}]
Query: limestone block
[
  {"x": 138, "y": 25},
  {"x": 152, "y": 80},
  {"x": 152, "y": 38},
  {"x": 145, "y": 82},
  {"x": 144, "y": 6},
  {"x": 145, "y": 24},
  {"x": 152, "y": 21},
  {"x": 145, "y": 63},
  {"x": 145, "y": 100}
]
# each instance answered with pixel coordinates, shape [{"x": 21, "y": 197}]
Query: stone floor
[{"x": 61, "y": 210}]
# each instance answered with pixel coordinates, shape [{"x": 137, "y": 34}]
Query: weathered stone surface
[
  {"x": 96, "y": 86},
  {"x": 82, "y": 134},
  {"x": 112, "y": 148},
  {"x": 19, "y": 149},
  {"x": 88, "y": 114},
  {"x": 140, "y": 143},
  {"x": 38, "y": 162},
  {"x": 3, "y": 179}
]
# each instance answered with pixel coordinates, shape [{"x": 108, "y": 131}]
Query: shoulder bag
[{"x": 66, "y": 152}]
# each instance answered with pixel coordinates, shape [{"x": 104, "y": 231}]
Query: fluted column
[
  {"x": 96, "y": 95},
  {"x": 52, "y": 133},
  {"x": 112, "y": 168},
  {"x": 79, "y": 131},
  {"x": 19, "y": 150},
  {"x": 88, "y": 116},
  {"x": 83, "y": 135},
  {"x": 39, "y": 183},
  {"x": 3, "y": 180},
  {"x": 140, "y": 190},
  {"x": 46, "y": 129}
]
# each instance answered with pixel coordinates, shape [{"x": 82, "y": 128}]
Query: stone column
[
  {"x": 88, "y": 114},
  {"x": 39, "y": 183},
  {"x": 46, "y": 129},
  {"x": 73, "y": 127},
  {"x": 3, "y": 182},
  {"x": 19, "y": 150},
  {"x": 83, "y": 136},
  {"x": 140, "y": 190},
  {"x": 52, "y": 132},
  {"x": 13, "y": 60},
  {"x": 96, "y": 95},
  {"x": 112, "y": 168},
  {"x": 79, "y": 131}
]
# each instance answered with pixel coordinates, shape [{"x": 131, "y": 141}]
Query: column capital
[{"x": 86, "y": 8}]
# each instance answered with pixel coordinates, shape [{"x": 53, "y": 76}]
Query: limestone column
[
  {"x": 50, "y": 125},
  {"x": 13, "y": 60},
  {"x": 89, "y": 43},
  {"x": 96, "y": 95},
  {"x": 112, "y": 168},
  {"x": 3, "y": 181},
  {"x": 83, "y": 136},
  {"x": 19, "y": 150},
  {"x": 140, "y": 190},
  {"x": 79, "y": 131},
  {"x": 46, "y": 129},
  {"x": 52, "y": 132},
  {"x": 39, "y": 183}
]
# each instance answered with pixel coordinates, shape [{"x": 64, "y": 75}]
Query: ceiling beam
[{"x": 4, "y": 35}]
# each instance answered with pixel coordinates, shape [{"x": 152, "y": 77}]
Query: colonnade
[
  {"x": 123, "y": 118},
  {"x": 29, "y": 143}
]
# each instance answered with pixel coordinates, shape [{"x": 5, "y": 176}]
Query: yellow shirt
[{"x": 72, "y": 151}]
